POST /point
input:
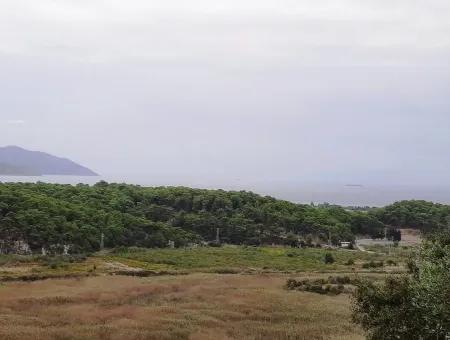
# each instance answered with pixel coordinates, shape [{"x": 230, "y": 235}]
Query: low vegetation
[
  {"x": 195, "y": 293},
  {"x": 333, "y": 285},
  {"x": 197, "y": 307},
  {"x": 373, "y": 264},
  {"x": 242, "y": 259},
  {"x": 425, "y": 216},
  {"x": 142, "y": 262},
  {"x": 410, "y": 306}
]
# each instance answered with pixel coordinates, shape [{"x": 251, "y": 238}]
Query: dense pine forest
[{"x": 52, "y": 215}]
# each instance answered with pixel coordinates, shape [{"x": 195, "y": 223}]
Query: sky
[{"x": 344, "y": 91}]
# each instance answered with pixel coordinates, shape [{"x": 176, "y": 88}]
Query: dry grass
[
  {"x": 410, "y": 237},
  {"x": 198, "y": 306},
  {"x": 202, "y": 305}
]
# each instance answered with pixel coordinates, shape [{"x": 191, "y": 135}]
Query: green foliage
[
  {"x": 350, "y": 262},
  {"x": 394, "y": 235},
  {"x": 205, "y": 259},
  {"x": 55, "y": 262},
  {"x": 373, "y": 264},
  {"x": 52, "y": 215},
  {"x": 422, "y": 215},
  {"x": 385, "y": 312},
  {"x": 329, "y": 258},
  {"x": 410, "y": 307},
  {"x": 364, "y": 223},
  {"x": 334, "y": 285}
]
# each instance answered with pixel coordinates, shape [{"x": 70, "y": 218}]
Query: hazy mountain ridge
[
  {"x": 16, "y": 161},
  {"x": 13, "y": 170}
]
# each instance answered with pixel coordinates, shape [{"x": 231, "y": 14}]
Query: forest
[{"x": 52, "y": 216}]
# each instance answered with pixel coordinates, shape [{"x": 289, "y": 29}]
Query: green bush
[
  {"x": 350, "y": 262},
  {"x": 292, "y": 284},
  {"x": 329, "y": 259},
  {"x": 340, "y": 280},
  {"x": 413, "y": 306},
  {"x": 373, "y": 264},
  {"x": 330, "y": 286}
]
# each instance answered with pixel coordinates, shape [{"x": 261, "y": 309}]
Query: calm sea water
[{"x": 366, "y": 195}]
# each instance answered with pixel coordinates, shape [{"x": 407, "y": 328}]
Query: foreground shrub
[
  {"x": 416, "y": 306},
  {"x": 386, "y": 311},
  {"x": 345, "y": 280},
  {"x": 329, "y": 259}
]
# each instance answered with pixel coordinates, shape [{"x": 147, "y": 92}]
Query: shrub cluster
[
  {"x": 391, "y": 262},
  {"x": 329, "y": 259},
  {"x": 333, "y": 285},
  {"x": 373, "y": 264},
  {"x": 350, "y": 262},
  {"x": 414, "y": 306}
]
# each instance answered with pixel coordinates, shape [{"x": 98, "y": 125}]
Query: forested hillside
[
  {"x": 52, "y": 215},
  {"x": 423, "y": 215}
]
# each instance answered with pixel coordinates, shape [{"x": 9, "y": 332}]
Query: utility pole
[
  {"x": 102, "y": 237},
  {"x": 218, "y": 236},
  {"x": 102, "y": 241}
]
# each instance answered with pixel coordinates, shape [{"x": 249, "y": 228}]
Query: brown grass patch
[{"x": 200, "y": 306}]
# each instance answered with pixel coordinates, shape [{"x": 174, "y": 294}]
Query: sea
[{"x": 344, "y": 194}]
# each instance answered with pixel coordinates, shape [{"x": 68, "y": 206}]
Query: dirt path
[
  {"x": 361, "y": 248},
  {"x": 117, "y": 266}
]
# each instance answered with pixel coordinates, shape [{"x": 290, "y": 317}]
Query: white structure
[
  {"x": 345, "y": 244},
  {"x": 66, "y": 249},
  {"x": 22, "y": 248}
]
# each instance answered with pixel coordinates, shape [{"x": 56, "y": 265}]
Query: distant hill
[
  {"x": 15, "y": 161},
  {"x": 14, "y": 170}
]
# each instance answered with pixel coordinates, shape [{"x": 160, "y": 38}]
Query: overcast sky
[{"x": 267, "y": 90}]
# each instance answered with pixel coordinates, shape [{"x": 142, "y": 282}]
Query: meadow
[
  {"x": 238, "y": 259},
  {"x": 201, "y": 293}
]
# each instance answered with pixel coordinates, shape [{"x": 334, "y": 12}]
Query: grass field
[
  {"x": 199, "y": 306},
  {"x": 225, "y": 293},
  {"x": 247, "y": 259}
]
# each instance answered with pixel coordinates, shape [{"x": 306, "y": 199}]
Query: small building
[{"x": 346, "y": 245}]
